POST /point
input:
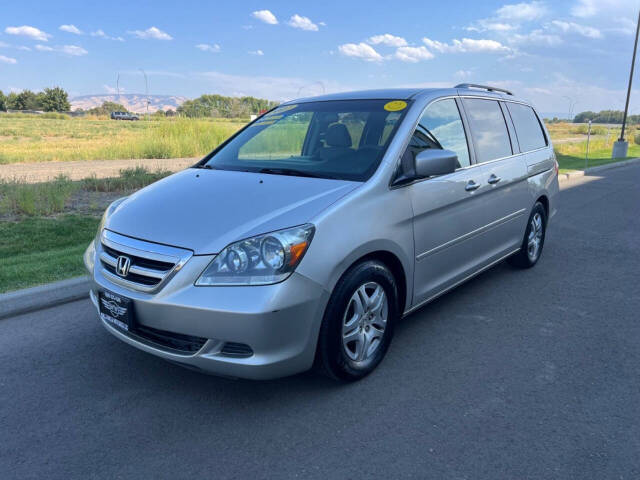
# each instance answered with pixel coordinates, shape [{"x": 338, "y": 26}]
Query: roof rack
[{"x": 483, "y": 87}]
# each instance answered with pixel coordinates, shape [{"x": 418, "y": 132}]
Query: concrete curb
[
  {"x": 43, "y": 296},
  {"x": 563, "y": 177}
]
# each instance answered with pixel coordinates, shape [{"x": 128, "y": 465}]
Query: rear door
[{"x": 501, "y": 172}]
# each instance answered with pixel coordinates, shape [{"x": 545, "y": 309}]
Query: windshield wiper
[{"x": 292, "y": 172}]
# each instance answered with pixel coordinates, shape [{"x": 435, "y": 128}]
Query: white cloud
[
  {"x": 571, "y": 27},
  {"x": 71, "y": 50},
  {"x": 467, "y": 45},
  {"x": 22, "y": 47},
  {"x": 152, "y": 33},
  {"x": 27, "y": 31},
  {"x": 208, "y": 48},
  {"x": 509, "y": 17},
  {"x": 360, "y": 50},
  {"x": 9, "y": 60},
  {"x": 388, "y": 39},
  {"x": 303, "y": 23},
  {"x": 112, "y": 90},
  {"x": 275, "y": 88},
  {"x": 100, "y": 33},
  {"x": 462, "y": 74},
  {"x": 265, "y": 16},
  {"x": 70, "y": 29},
  {"x": 535, "y": 37},
  {"x": 413, "y": 54},
  {"x": 522, "y": 12},
  {"x": 585, "y": 8},
  {"x": 256, "y": 52}
]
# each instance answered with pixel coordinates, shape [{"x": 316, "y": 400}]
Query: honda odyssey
[{"x": 305, "y": 237}]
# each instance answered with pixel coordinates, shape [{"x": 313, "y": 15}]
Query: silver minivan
[{"x": 303, "y": 239}]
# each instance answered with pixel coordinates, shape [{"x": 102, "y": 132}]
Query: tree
[
  {"x": 3, "y": 101},
  {"x": 221, "y": 106},
  {"x": 55, "y": 100},
  {"x": 25, "y": 100},
  {"x": 106, "y": 108}
]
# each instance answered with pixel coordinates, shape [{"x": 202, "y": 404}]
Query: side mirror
[{"x": 433, "y": 161}]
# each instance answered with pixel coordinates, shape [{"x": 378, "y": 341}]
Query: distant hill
[{"x": 134, "y": 102}]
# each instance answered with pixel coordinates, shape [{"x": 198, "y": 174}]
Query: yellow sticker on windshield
[{"x": 395, "y": 106}]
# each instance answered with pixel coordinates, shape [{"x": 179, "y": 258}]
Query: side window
[
  {"x": 488, "y": 129},
  {"x": 439, "y": 127},
  {"x": 528, "y": 129}
]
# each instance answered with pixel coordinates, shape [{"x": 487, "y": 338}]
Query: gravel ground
[{"x": 77, "y": 170}]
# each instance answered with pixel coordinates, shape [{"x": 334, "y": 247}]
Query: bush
[{"x": 636, "y": 139}]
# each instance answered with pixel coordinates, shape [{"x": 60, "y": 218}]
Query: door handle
[
  {"x": 471, "y": 186},
  {"x": 493, "y": 179}
]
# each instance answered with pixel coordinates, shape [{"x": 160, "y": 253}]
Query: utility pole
[
  {"x": 118, "y": 87},
  {"x": 621, "y": 147}
]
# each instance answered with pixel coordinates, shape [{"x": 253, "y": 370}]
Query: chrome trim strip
[
  {"x": 146, "y": 272},
  {"x": 471, "y": 234},
  {"x": 459, "y": 282},
  {"x": 139, "y": 248}
]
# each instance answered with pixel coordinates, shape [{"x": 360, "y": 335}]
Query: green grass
[
  {"x": 571, "y": 156},
  {"x": 34, "y": 251},
  {"x": 32, "y": 138}
]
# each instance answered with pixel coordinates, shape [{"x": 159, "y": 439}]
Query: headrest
[{"x": 338, "y": 136}]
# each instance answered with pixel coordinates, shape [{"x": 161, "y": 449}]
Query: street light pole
[{"x": 620, "y": 147}]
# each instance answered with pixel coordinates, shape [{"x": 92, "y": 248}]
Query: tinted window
[
  {"x": 528, "y": 129},
  {"x": 488, "y": 129},
  {"x": 440, "y": 127},
  {"x": 335, "y": 139}
]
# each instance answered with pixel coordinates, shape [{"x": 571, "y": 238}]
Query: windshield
[{"x": 343, "y": 139}]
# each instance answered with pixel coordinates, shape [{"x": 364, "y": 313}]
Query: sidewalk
[{"x": 77, "y": 170}]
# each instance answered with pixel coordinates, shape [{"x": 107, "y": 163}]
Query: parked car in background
[
  {"x": 124, "y": 116},
  {"x": 306, "y": 236}
]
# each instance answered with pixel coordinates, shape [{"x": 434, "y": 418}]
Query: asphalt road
[{"x": 515, "y": 375}]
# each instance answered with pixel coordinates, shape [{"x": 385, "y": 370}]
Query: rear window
[
  {"x": 528, "y": 129},
  {"x": 488, "y": 129}
]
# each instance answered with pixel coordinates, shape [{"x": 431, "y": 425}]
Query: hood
[{"x": 206, "y": 210}]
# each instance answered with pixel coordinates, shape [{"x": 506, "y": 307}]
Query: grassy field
[
  {"x": 40, "y": 250},
  {"x": 32, "y": 138},
  {"x": 45, "y": 227},
  {"x": 570, "y": 144}
]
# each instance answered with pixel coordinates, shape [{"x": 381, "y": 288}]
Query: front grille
[
  {"x": 150, "y": 264},
  {"x": 233, "y": 349},
  {"x": 168, "y": 340}
]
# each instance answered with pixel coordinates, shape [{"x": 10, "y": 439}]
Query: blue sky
[{"x": 545, "y": 51}]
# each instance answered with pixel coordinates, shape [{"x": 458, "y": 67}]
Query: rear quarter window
[
  {"x": 488, "y": 129},
  {"x": 528, "y": 128}
]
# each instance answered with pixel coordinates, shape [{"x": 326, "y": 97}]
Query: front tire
[
  {"x": 358, "y": 323},
  {"x": 533, "y": 241}
]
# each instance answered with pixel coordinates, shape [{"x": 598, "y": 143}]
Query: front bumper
[{"x": 279, "y": 322}]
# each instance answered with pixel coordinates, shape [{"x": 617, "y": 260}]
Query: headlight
[
  {"x": 108, "y": 212},
  {"x": 89, "y": 256},
  {"x": 261, "y": 260}
]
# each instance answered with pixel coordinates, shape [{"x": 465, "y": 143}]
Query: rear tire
[
  {"x": 358, "y": 323},
  {"x": 533, "y": 241}
]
